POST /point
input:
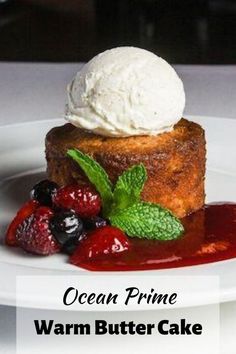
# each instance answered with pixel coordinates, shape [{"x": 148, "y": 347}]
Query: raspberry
[
  {"x": 107, "y": 240},
  {"x": 26, "y": 210},
  {"x": 34, "y": 234},
  {"x": 84, "y": 200}
]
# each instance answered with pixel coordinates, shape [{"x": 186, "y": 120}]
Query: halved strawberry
[
  {"x": 25, "y": 211},
  {"x": 107, "y": 240}
]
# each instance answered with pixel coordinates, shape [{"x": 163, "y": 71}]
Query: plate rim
[{"x": 9, "y": 297}]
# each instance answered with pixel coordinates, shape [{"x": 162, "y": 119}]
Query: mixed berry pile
[{"x": 65, "y": 219}]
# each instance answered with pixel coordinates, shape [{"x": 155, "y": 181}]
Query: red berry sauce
[{"x": 210, "y": 236}]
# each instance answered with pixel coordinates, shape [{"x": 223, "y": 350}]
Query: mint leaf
[
  {"x": 147, "y": 220},
  {"x": 129, "y": 187},
  {"x": 97, "y": 176}
]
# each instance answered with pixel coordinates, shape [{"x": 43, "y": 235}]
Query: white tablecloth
[{"x": 37, "y": 91}]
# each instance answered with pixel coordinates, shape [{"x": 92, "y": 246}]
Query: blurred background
[{"x": 182, "y": 31}]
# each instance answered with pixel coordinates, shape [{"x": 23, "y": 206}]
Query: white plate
[{"x": 22, "y": 163}]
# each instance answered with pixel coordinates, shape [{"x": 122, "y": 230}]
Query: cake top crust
[{"x": 68, "y": 136}]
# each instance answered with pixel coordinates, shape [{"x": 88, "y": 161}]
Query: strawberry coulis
[{"x": 210, "y": 236}]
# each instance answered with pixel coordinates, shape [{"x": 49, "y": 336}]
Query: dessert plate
[{"x": 22, "y": 163}]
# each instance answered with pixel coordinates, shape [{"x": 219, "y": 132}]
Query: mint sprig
[
  {"x": 148, "y": 220},
  {"x": 122, "y": 204}
]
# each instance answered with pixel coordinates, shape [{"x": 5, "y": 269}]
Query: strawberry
[
  {"x": 34, "y": 234},
  {"x": 84, "y": 200},
  {"x": 26, "y": 210},
  {"x": 107, "y": 240}
]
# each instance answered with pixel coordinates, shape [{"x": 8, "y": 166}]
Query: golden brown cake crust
[{"x": 175, "y": 162}]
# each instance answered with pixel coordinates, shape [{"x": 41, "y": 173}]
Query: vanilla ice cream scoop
[{"x": 126, "y": 91}]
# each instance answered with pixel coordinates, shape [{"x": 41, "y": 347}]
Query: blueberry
[
  {"x": 44, "y": 191},
  {"x": 66, "y": 226},
  {"x": 94, "y": 223},
  {"x": 70, "y": 246}
]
